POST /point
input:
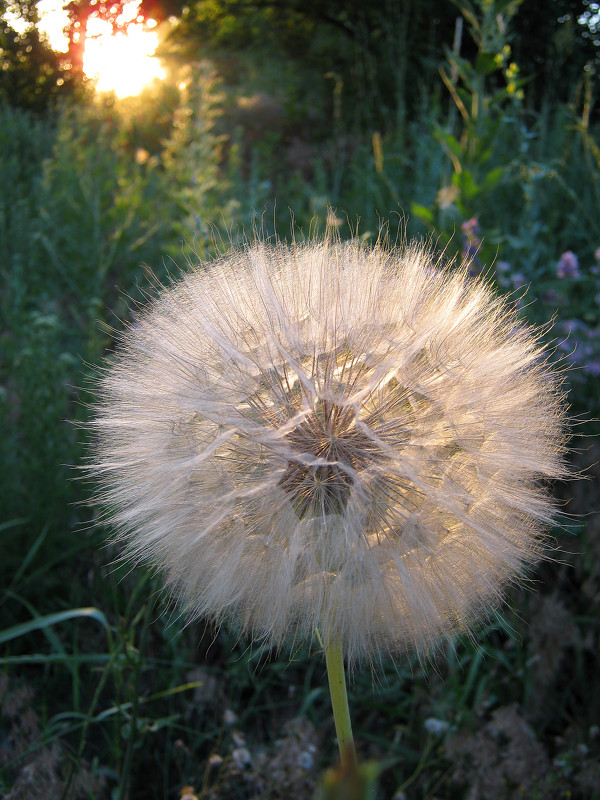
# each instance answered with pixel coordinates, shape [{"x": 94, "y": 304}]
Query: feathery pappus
[{"x": 331, "y": 437}]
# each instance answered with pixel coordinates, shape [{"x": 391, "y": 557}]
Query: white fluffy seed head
[{"x": 325, "y": 436}]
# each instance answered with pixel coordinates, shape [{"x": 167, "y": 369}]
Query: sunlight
[
  {"x": 53, "y": 20},
  {"x": 122, "y": 63}
]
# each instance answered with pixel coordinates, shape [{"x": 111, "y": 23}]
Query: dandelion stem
[{"x": 339, "y": 700}]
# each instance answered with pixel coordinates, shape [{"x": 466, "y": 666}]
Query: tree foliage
[
  {"x": 553, "y": 42},
  {"x": 390, "y": 50},
  {"x": 385, "y": 54},
  {"x": 32, "y": 75}
]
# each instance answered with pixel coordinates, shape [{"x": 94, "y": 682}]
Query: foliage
[
  {"x": 376, "y": 51},
  {"x": 370, "y": 52},
  {"x": 554, "y": 42},
  {"x": 387, "y": 53},
  {"x": 32, "y": 75},
  {"x": 76, "y": 211},
  {"x": 104, "y": 693}
]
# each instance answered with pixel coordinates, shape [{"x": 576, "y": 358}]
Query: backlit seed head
[
  {"x": 336, "y": 450},
  {"x": 330, "y": 437}
]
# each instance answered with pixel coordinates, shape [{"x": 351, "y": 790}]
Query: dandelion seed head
[{"x": 330, "y": 437}]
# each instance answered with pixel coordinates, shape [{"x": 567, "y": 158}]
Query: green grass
[{"x": 104, "y": 690}]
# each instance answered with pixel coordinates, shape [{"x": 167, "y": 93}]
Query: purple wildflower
[
  {"x": 568, "y": 266},
  {"x": 470, "y": 228}
]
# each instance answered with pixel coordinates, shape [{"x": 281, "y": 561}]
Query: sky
[{"x": 53, "y": 20}]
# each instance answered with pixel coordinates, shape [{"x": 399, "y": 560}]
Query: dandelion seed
[{"x": 331, "y": 438}]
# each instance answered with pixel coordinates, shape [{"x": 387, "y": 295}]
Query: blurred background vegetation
[{"x": 473, "y": 122}]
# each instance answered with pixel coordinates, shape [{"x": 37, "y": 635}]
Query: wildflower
[
  {"x": 229, "y": 717},
  {"x": 327, "y": 437},
  {"x": 241, "y": 757},
  {"x": 447, "y": 195},
  {"x": 568, "y": 265},
  {"x": 436, "y": 727},
  {"x": 306, "y": 760},
  {"x": 518, "y": 280},
  {"x": 470, "y": 228}
]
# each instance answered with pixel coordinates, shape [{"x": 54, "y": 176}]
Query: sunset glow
[{"x": 122, "y": 63}]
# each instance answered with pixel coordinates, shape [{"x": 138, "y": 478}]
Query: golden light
[
  {"x": 53, "y": 20},
  {"x": 122, "y": 63}
]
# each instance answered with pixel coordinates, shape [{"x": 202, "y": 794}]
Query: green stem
[{"x": 339, "y": 700}]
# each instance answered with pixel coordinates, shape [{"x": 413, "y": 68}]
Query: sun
[{"x": 122, "y": 63}]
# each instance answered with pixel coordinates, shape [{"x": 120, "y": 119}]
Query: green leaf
[
  {"x": 30, "y": 555},
  {"x": 39, "y": 623},
  {"x": 485, "y": 63},
  {"x": 422, "y": 212},
  {"x": 492, "y": 179},
  {"x": 507, "y": 6},
  {"x": 449, "y": 141},
  {"x": 466, "y": 183},
  {"x": 58, "y": 658}
]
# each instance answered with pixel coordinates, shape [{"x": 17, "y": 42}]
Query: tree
[
  {"x": 32, "y": 75},
  {"x": 553, "y": 41}
]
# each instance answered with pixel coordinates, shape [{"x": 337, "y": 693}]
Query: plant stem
[{"x": 339, "y": 700}]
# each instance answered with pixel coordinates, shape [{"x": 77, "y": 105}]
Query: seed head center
[{"x": 329, "y": 436}]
